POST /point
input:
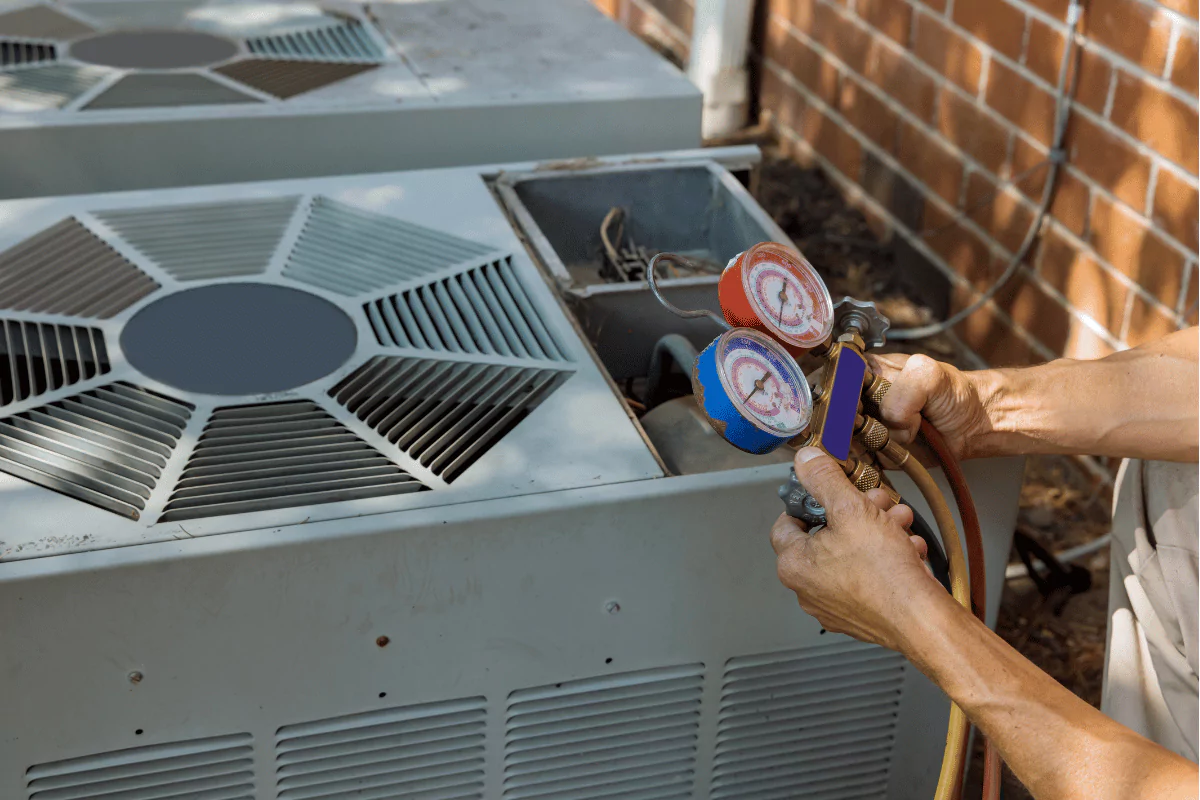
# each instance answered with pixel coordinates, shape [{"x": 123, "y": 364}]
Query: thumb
[{"x": 823, "y": 478}]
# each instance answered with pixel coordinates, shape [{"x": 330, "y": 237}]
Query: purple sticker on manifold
[{"x": 843, "y": 404}]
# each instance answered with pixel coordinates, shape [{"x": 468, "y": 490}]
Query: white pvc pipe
[{"x": 717, "y": 63}]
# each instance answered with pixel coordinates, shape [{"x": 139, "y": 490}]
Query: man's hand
[
  {"x": 948, "y": 397},
  {"x": 863, "y": 572}
]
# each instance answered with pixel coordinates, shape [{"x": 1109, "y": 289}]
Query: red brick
[
  {"x": 1084, "y": 343},
  {"x": 929, "y": 161},
  {"x": 833, "y": 142},
  {"x": 1055, "y": 8},
  {"x": 868, "y": 113},
  {"x": 892, "y": 18},
  {"x": 1161, "y": 120},
  {"x": 1000, "y": 213},
  {"x": 1072, "y": 196},
  {"x": 1148, "y": 322},
  {"x": 946, "y": 51},
  {"x": 609, "y": 7},
  {"x": 1188, "y": 301},
  {"x": 785, "y": 104},
  {"x": 1087, "y": 285},
  {"x": 677, "y": 12},
  {"x": 650, "y": 28},
  {"x": 1108, "y": 160},
  {"x": 1185, "y": 67},
  {"x": 992, "y": 339},
  {"x": 995, "y": 22},
  {"x": 841, "y": 37},
  {"x": 1022, "y": 102},
  {"x": 801, "y": 13},
  {"x": 935, "y": 5},
  {"x": 1036, "y": 311},
  {"x": 804, "y": 63},
  {"x": 972, "y": 130},
  {"x": 1185, "y": 7},
  {"x": 1136, "y": 30},
  {"x": 1043, "y": 56},
  {"x": 962, "y": 250},
  {"x": 897, "y": 74},
  {"x": 1123, "y": 240},
  {"x": 1176, "y": 208}
]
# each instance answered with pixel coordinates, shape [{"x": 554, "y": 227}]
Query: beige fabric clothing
[{"x": 1150, "y": 677}]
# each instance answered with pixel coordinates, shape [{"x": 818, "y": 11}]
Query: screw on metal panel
[
  {"x": 382, "y": 641},
  {"x": 612, "y": 606},
  {"x": 135, "y": 677}
]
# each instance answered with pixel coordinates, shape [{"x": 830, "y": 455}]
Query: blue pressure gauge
[{"x": 751, "y": 391}]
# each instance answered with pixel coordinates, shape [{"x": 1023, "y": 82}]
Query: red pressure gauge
[{"x": 774, "y": 289}]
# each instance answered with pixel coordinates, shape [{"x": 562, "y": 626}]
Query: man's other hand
[{"x": 863, "y": 572}]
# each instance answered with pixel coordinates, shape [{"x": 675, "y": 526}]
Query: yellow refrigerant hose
[{"x": 950, "y": 778}]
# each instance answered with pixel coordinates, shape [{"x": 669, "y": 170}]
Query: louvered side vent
[
  {"x": 483, "y": 310},
  {"x": 444, "y": 414},
  {"x": 432, "y": 752},
  {"x": 220, "y": 768},
  {"x": 630, "y": 736},
  {"x": 37, "y": 357},
  {"x": 66, "y": 269},
  {"x": 41, "y": 88},
  {"x": 198, "y": 242},
  {"x": 279, "y": 455},
  {"x": 19, "y": 54},
  {"x": 349, "y": 251},
  {"x": 284, "y": 79},
  {"x": 818, "y": 723},
  {"x": 106, "y": 447},
  {"x": 347, "y": 42}
]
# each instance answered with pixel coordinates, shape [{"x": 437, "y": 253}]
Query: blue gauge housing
[{"x": 722, "y": 412}]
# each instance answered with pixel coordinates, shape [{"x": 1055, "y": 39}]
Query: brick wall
[
  {"x": 665, "y": 24},
  {"x": 924, "y": 109}
]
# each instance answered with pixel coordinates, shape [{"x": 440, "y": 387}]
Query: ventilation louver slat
[
  {"x": 106, "y": 447},
  {"x": 52, "y": 86},
  {"x": 23, "y": 54},
  {"x": 126, "y": 14},
  {"x": 219, "y": 768},
  {"x": 196, "y": 242},
  {"x": 433, "y": 751},
  {"x": 40, "y": 22},
  {"x": 630, "y": 736},
  {"x": 280, "y": 455},
  {"x": 285, "y": 79},
  {"x": 348, "y": 42},
  {"x": 348, "y": 251},
  {"x": 39, "y": 357},
  {"x": 818, "y": 723},
  {"x": 482, "y": 310},
  {"x": 444, "y": 414},
  {"x": 66, "y": 269}
]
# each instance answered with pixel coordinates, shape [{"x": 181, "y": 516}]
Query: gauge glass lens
[
  {"x": 791, "y": 299},
  {"x": 763, "y": 382}
]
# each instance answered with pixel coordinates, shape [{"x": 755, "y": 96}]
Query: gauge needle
[
  {"x": 758, "y": 385},
  {"x": 782, "y": 302}
]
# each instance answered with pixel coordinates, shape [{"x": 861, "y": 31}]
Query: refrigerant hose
[{"x": 679, "y": 348}]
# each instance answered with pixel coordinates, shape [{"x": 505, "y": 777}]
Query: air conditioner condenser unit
[
  {"x": 321, "y": 489},
  {"x": 107, "y": 95}
]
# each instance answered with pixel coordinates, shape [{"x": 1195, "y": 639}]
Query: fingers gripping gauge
[
  {"x": 773, "y": 289},
  {"x": 751, "y": 391}
]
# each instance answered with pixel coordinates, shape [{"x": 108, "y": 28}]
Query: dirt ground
[{"x": 1062, "y": 504}]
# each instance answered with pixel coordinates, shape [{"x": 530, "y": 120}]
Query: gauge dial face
[
  {"x": 790, "y": 298},
  {"x": 763, "y": 382}
]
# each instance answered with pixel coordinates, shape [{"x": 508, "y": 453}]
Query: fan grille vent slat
[
  {"x": 820, "y": 722},
  {"x": 197, "y": 242},
  {"x": 19, "y": 54},
  {"x": 624, "y": 736},
  {"x": 280, "y": 455},
  {"x": 106, "y": 447},
  {"x": 369, "y": 251},
  {"x": 288, "y": 78},
  {"x": 348, "y": 42},
  {"x": 46, "y": 87},
  {"x": 66, "y": 269},
  {"x": 220, "y": 768},
  {"x": 483, "y": 310},
  {"x": 38, "y": 357},
  {"x": 433, "y": 751},
  {"x": 444, "y": 414}
]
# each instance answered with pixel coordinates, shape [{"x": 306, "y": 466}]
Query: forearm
[
  {"x": 1140, "y": 403},
  {"x": 1056, "y": 744}
]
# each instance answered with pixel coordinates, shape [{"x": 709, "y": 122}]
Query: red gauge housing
[{"x": 773, "y": 289}]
